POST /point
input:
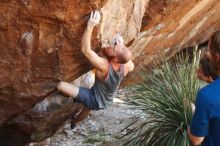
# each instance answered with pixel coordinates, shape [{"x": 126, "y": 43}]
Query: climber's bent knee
[{"x": 68, "y": 89}]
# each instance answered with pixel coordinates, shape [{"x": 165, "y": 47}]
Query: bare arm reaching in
[{"x": 99, "y": 63}]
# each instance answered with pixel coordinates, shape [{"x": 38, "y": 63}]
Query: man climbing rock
[{"x": 110, "y": 71}]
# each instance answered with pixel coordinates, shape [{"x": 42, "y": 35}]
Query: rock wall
[{"x": 40, "y": 42}]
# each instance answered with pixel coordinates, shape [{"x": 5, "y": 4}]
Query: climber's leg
[
  {"x": 68, "y": 89},
  {"x": 80, "y": 94},
  {"x": 81, "y": 116}
]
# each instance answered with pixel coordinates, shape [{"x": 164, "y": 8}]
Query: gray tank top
[{"x": 105, "y": 90}]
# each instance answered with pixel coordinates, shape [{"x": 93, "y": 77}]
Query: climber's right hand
[
  {"x": 94, "y": 19},
  {"x": 118, "y": 40}
]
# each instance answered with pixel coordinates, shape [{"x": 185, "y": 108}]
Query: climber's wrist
[{"x": 90, "y": 26}]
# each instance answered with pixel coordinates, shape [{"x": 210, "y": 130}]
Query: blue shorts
[{"x": 86, "y": 97}]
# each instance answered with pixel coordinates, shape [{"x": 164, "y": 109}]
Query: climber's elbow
[{"x": 86, "y": 50}]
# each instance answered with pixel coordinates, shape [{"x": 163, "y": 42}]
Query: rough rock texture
[{"x": 40, "y": 41}]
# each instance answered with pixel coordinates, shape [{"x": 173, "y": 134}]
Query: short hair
[
  {"x": 214, "y": 42},
  {"x": 207, "y": 67}
]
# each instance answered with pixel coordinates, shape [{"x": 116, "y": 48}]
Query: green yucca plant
[{"x": 165, "y": 97}]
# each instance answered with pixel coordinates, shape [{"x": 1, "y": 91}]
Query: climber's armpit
[{"x": 99, "y": 63}]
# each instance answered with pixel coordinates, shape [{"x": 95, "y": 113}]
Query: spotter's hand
[{"x": 94, "y": 19}]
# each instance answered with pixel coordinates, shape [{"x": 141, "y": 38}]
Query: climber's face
[
  {"x": 118, "y": 53},
  {"x": 109, "y": 52}
]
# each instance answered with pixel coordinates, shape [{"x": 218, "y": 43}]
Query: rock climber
[{"x": 110, "y": 71}]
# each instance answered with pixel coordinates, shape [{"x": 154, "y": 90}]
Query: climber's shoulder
[{"x": 129, "y": 66}]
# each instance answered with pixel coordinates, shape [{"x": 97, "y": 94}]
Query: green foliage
[
  {"x": 165, "y": 97},
  {"x": 98, "y": 138}
]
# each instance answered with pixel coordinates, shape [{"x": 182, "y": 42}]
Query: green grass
[
  {"x": 100, "y": 138},
  {"x": 165, "y": 97}
]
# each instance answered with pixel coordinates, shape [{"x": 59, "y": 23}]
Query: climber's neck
[{"x": 115, "y": 65}]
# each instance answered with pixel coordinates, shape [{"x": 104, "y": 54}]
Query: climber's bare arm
[{"x": 98, "y": 62}]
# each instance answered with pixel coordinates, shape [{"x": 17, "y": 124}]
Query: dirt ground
[{"x": 101, "y": 128}]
